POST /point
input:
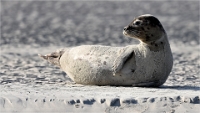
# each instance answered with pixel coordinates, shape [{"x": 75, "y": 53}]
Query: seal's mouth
[
  {"x": 130, "y": 33},
  {"x": 125, "y": 33}
]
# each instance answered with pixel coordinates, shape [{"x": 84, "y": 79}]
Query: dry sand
[{"x": 30, "y": 84}]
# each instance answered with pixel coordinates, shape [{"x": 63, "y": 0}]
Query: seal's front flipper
[
  {"x": 53, "y": 57},
  {"x": 125, "y": 56}
]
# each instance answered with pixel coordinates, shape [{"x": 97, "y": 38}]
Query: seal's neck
[{"x": 157, "y": 45}]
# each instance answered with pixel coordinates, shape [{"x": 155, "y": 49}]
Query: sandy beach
[{"x": 29, "y": 84}]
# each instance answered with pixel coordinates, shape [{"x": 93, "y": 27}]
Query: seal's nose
[{"x": 125, "y": 28}]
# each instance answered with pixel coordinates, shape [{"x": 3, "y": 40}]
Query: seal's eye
[{"x": 137, "y": 23}]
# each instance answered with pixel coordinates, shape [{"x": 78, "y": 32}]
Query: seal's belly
[{"x": 90, "y": 64}]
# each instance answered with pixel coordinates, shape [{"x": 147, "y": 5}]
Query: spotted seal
[{"x": 147, "y": 64}]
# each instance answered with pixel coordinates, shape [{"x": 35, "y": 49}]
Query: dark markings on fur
[{"x": 147, "y": 38}]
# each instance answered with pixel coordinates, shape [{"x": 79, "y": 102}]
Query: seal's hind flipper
[{"x": 54, "y": 57}]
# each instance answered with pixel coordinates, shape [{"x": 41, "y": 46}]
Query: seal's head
[{"x": 146, "y": 28}]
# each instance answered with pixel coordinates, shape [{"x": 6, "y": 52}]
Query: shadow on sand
[{"x": 194, "y": 88}]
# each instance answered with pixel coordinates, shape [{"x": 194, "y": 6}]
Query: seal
[{"x": 147, "y": 64}]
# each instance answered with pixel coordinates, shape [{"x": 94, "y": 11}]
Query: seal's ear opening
[{"x": 53, "y": 58}]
